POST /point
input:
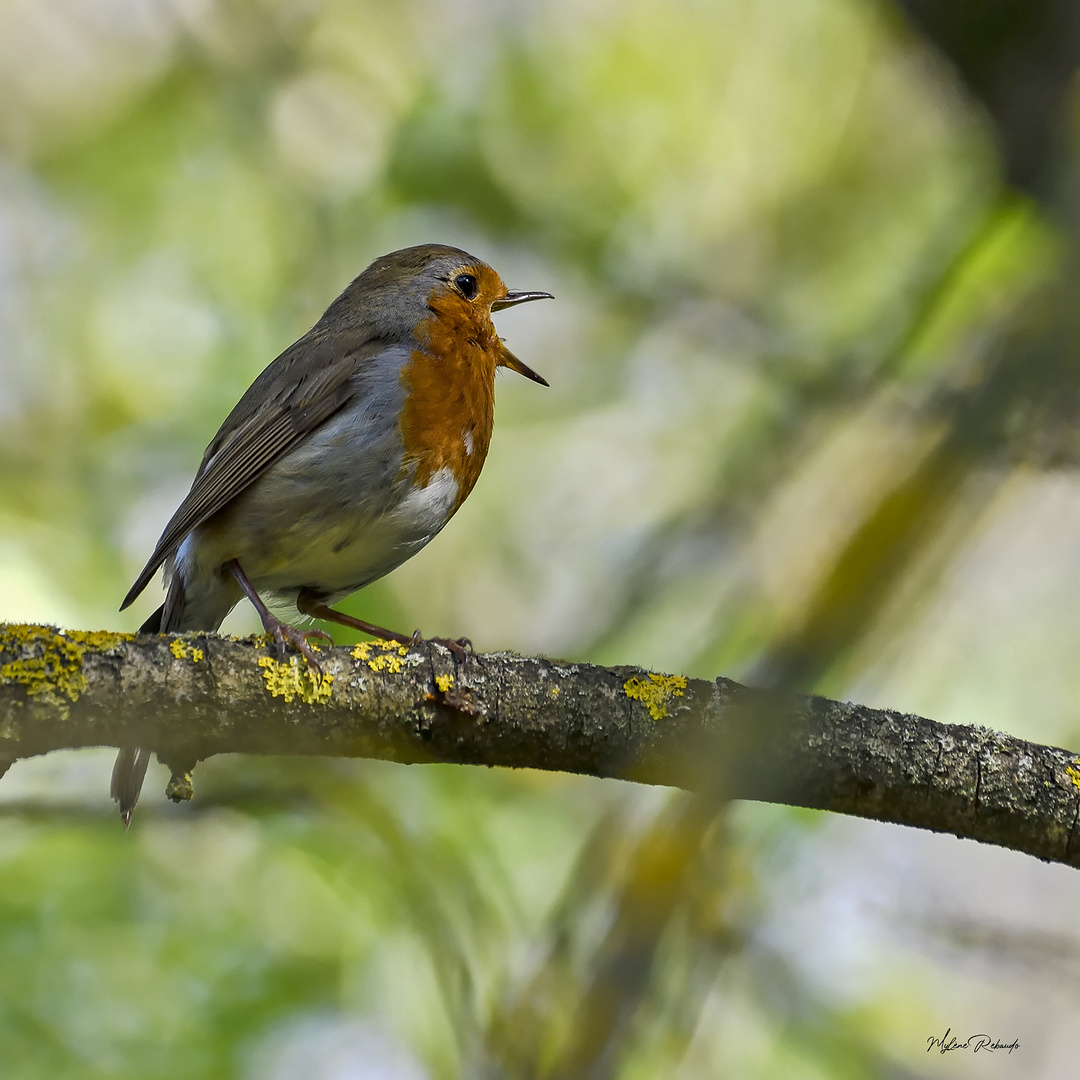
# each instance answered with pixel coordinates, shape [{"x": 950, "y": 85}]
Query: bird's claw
[
  {"x": 283, "y": 633},
  {"x": 459, "y": 647}
]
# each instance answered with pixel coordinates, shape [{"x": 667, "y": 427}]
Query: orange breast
[{"x": 450, "y": 387}]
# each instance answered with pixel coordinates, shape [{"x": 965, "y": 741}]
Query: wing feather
[{"x": 293, "y": 395}]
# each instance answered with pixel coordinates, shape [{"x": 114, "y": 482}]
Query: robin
[{"x": 347, "y": 454}]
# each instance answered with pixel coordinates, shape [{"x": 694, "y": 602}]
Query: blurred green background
[{"x": 811, "y": 424}]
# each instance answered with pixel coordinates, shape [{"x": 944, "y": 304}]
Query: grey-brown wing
[{"x": 302, "y": 388}]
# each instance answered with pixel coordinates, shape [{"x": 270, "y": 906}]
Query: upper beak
[{"x": 512, "y": 298}]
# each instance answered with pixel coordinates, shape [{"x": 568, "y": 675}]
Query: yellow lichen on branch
[
  {"x": 183, "y": 651},
  {"x": 1074, "y": 774},
  {"x": 296, "y": 680},
  {"x": 391, "y": 657},
  {"x": 655, "y": 693},
  {"x": 49, "y": 662}
]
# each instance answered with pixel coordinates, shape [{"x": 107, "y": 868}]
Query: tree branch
[{"x": 191, "y": 696}]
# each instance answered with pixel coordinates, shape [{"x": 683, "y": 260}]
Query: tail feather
[
  {"x": 153, "y": 624},
  {"x": 130, "y": 768},
  {"x": 127, "y": 780}
]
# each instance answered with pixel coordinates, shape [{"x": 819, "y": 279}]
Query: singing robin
[{"x": 347, "y": 454}]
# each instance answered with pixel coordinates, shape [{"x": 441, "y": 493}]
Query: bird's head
[{"x": 431, "y": 292}]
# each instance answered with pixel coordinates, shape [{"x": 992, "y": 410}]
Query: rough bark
[{"x": 191, "y": 696}]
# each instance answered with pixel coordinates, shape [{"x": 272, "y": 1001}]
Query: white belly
[
  {"x": 327, "y": 547},
  {"x": 338, "y": 555}
]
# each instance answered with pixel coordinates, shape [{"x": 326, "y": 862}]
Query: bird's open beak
[
  {"x": 512, "y": 298},
  {"x": 508, "y": 358}
]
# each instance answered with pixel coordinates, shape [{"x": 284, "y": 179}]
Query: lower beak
[
  {"x": 512, "y": 298},
  {"x": 514, "y": 364}
]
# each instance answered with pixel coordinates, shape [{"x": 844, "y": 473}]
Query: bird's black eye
[{"x": 467, "y": 285}]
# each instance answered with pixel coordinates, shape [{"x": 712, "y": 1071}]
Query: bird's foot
[
  {"x": 282, "y": 632},
  {"x": 309, "y": 604},
  {"x": 459, "y": 647}
]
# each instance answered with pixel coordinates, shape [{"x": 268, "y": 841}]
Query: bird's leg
[
  {"x": 280, "y": 631},
  {"x": 308, "y": 603}
]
